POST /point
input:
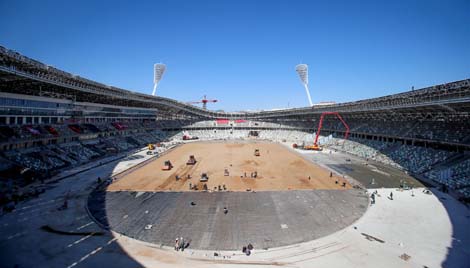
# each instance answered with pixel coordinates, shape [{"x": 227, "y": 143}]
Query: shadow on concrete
[
  {"x": 458, "y": 254},
  {"x": 265, "y": 219}
]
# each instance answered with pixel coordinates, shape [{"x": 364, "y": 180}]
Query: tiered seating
[
  {"x": 225, "y": 134},
  {"x": 29, "y": 159},
  {"x": 418, "y": 159},
  {"x": 367, "y": 149},
  {"x": 79, "y": 152},
  {"x": 433, "y": 130},
  {"x": 441, "y": 131},
  {"x": 61, "y": 154},
  {"x": 456, "y": 176}
]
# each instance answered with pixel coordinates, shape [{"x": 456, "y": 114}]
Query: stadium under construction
[{"x": 93, "y": 174}]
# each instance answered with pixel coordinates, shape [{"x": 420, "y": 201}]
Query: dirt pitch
[{"x": 278, "y": 169}]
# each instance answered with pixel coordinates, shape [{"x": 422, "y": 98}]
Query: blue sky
[{"x": 244, "y": 52}]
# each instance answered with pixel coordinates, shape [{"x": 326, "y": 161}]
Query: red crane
[
  {"x": 204, "y": 102},
  {"x": 315, "y": 145},
  {"x": 320, "y": 125}
]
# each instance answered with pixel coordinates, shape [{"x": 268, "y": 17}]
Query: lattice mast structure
[
  {"x": 302, "y": 70},
  {"x": 158, "y": 70}
]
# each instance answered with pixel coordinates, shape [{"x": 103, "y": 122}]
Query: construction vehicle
[
  {"x": 257, "y": 152},
  {"x": 191, "y": 161},
  {"x": 315, "y": 146},
  {"x": 167, "y": 165},
  {"x": 204, "y": 177},
  {"x": 303, "y": 146},
  {"x": 187, "y": 137}
]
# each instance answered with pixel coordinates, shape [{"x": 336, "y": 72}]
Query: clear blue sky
[{"x": 244, "y": 52}]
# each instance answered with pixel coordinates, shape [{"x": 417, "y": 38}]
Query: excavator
[{"x": 315, "y": 146}]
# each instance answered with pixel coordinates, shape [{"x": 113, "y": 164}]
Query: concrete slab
[{"x": 253, "y": 217}]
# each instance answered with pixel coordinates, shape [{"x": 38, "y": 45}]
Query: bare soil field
[{"x": 277, "y": 167}]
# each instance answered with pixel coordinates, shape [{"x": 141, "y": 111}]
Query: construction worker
[
  {"x": 176, "y": 244},
  {"x": 181, "y": 243}
]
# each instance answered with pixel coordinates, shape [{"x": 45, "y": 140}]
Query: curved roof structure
[{"x": 20, "y": 74}]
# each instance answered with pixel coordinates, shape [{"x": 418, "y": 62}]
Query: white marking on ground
[
  {"x": 85, "y": 225},
  {"x": 16, "y": 235},
  {"x": 80, "y": 240},
  {"x": 92, "y": 253}
]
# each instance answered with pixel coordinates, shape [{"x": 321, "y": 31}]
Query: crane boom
[
  {"x": 320, "y": 125},
  {"x": 204, "y": 102}
]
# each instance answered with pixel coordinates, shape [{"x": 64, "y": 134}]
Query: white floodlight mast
[
  {"x": 302, "y": 70},
  {"x": 158, "y": 70}
]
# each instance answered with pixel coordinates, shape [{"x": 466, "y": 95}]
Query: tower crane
[{"x": 204, "y": 102}]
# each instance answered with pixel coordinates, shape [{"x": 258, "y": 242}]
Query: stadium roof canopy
[{"x": 22, "y": 75}]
